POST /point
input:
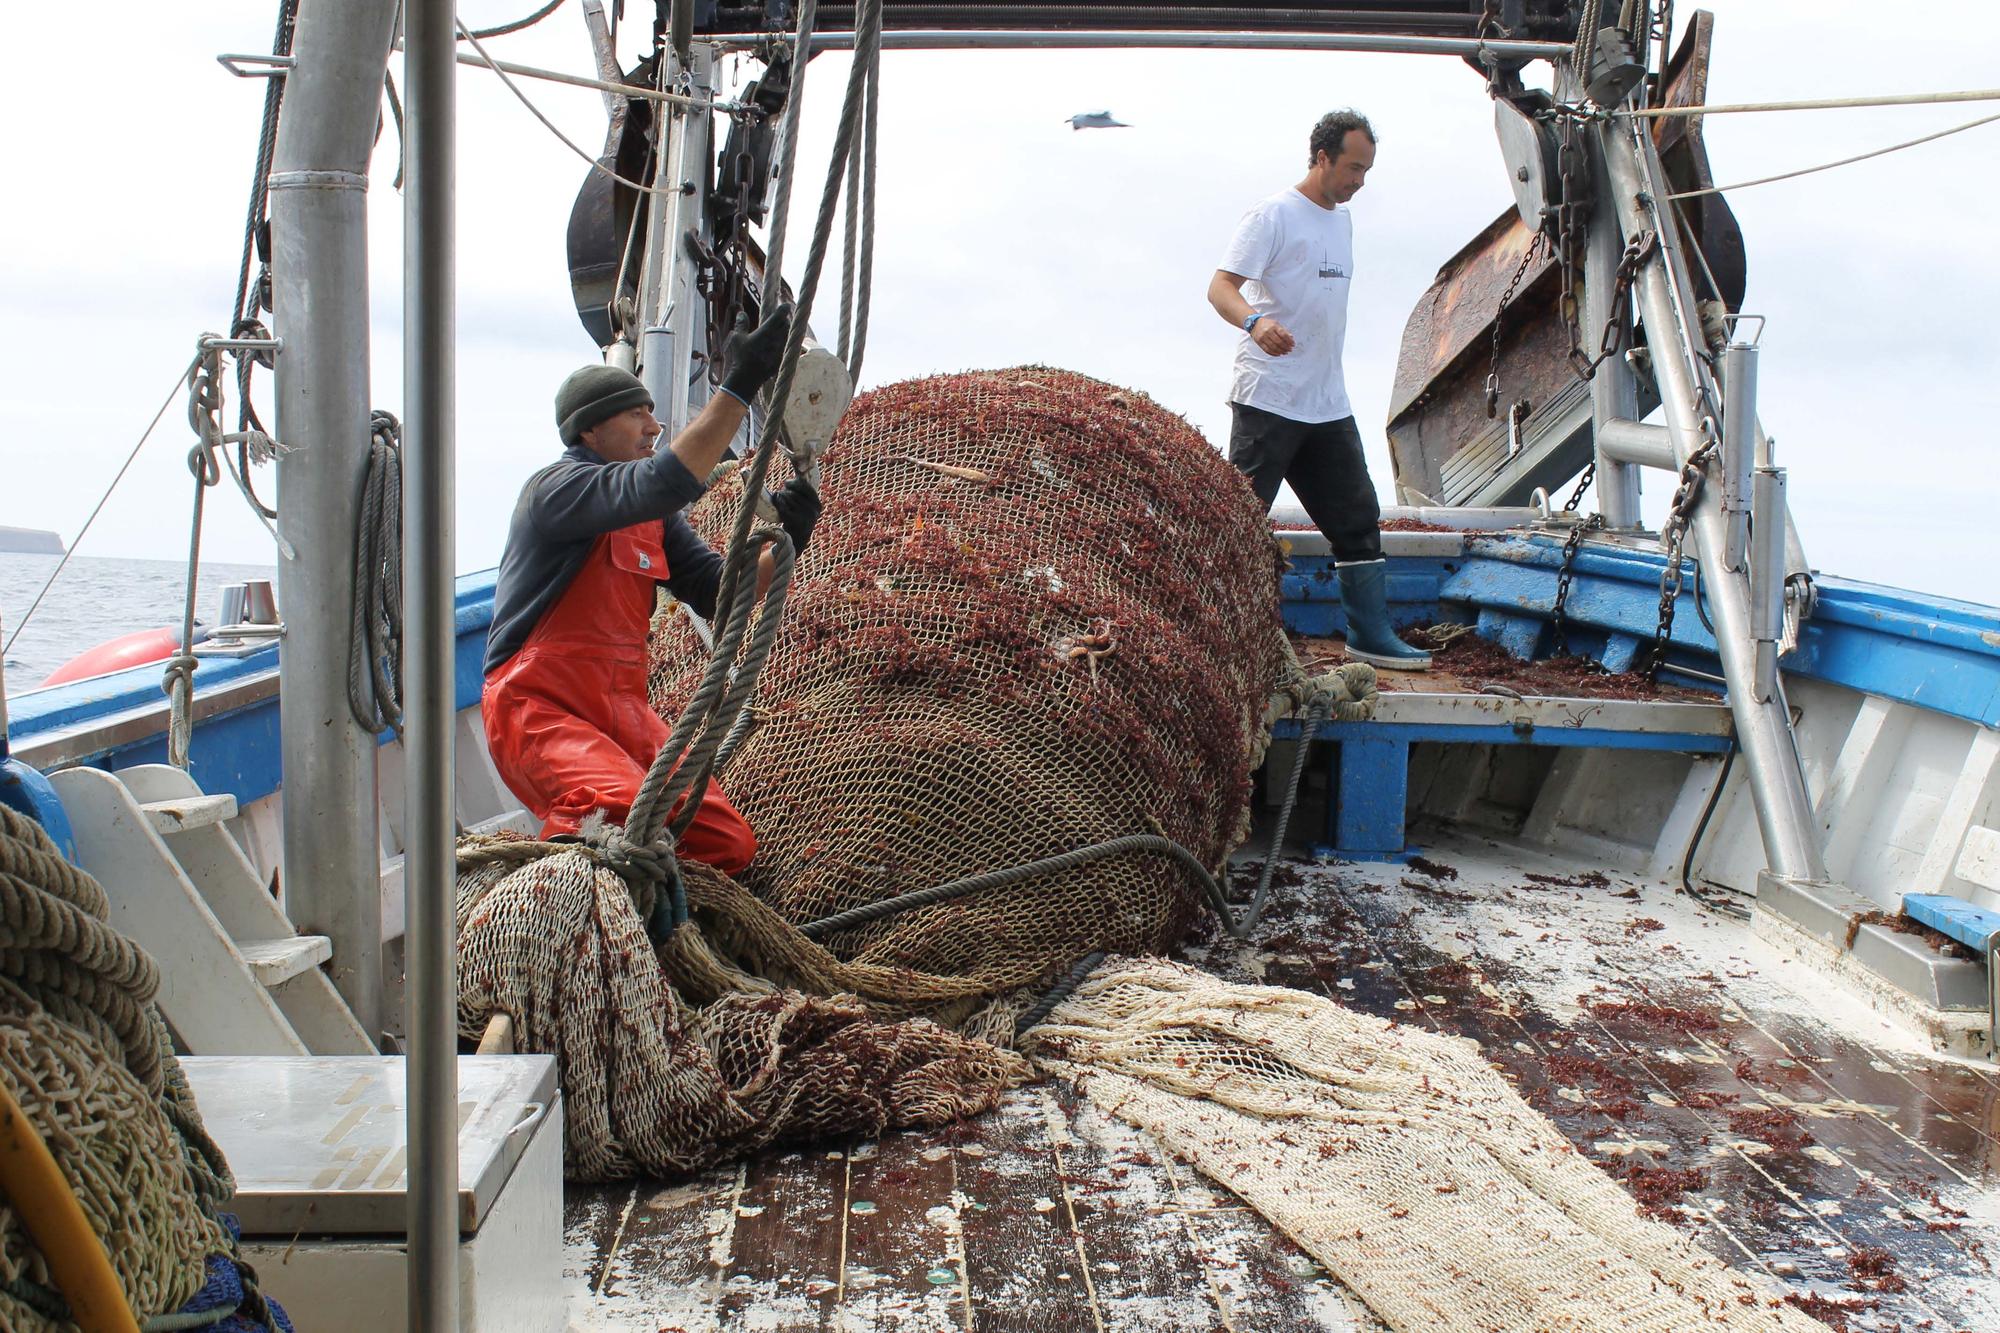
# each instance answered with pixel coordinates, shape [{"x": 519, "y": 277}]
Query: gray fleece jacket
[{"x": 565, "y": 508}]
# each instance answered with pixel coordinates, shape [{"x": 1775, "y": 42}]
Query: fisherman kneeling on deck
[{"x": 594, "y": 533}]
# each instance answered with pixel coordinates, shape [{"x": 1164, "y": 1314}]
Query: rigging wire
[
  {"x": 550, "y": 126},
  {"x": 1843, "y": 162},
  {"x": 1817, "y": 104},
  {"x": 173, "y": 393},
  {"x": 518, "y": 24}
]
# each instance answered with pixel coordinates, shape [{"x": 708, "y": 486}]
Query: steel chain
[
  {"x": 1564, "y": 574},
  {"x": 1637, "y": 251},
  {"x": 1674, "y": 533},
  {"x": 1535, "y": 247},
  {"x": 1582, "y": 484}
]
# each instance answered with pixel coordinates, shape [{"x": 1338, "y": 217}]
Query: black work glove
[
  {"x": 797, "y": 503},
  {"x": 753, "y": 355}
]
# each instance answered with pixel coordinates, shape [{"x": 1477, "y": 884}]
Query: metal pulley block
[
  {"x": 821, "y": 391},
  {"x": 1615, "y": 68},
  {"x": 1529, "y": 150}
]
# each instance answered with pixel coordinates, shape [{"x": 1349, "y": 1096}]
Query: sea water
[{"x": 95, "y": 599}]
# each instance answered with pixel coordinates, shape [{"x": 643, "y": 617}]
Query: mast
[{"x": 332, "y": 875}]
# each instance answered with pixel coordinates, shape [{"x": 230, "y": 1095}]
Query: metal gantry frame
[{"x": 1689, "y": 393}]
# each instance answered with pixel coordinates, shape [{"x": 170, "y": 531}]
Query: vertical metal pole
[
  {"x": 1766, "y": 555},
  {"x": 1740, "y": 446},
  {"x": 1763, "y": 727},
  {"x": 674, "y": 313},
  {"x": 430, "y": 392},
  {"x": 332, "y": 875}
]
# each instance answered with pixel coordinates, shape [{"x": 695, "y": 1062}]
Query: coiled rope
[
  {"x": 375, "y": 644},
  {"x": 86, "y": 1057}
]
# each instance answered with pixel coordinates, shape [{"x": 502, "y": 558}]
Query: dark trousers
[{"x": 1324, "y": 465}]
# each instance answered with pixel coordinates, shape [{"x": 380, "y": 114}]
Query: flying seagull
[{"x": 1096, "y": 120}]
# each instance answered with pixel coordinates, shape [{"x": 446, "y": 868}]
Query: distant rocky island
[{"x": 29, "y": 541}]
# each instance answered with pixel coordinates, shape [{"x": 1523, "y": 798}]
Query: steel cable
[{"x": 1047, "y": 865}]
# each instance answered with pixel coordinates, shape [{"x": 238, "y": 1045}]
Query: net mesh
[
  {"x": 1397, "y": 1157},
  {"x": 86, "y": 1058},
  {"x": 653, "y": 1084},
  {"x": 1039, "y": 612}
]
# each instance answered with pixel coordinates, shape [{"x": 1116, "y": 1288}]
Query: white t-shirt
[{"x": 1299, "y": 258}]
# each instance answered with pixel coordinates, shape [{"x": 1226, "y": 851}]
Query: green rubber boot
[{"x": 1370, "y": 638}]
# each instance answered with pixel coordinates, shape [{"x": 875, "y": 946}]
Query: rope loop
[
  {"x": 647, "y": 869},
  {"x": 1346, "y": 694}
]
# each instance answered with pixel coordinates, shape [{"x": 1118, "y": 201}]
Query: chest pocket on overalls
[{"x": 637, "y": 550}]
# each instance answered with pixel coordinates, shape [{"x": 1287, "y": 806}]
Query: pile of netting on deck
[
  {"x": 1039, "y": 613},
  {"x": 84, "y": 1055},
  {"x": 671, "y": 1059},
  {"x": 1397, "y": 1157}
]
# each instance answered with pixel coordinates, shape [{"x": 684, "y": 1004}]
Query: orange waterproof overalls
[{"x": 567, "y": 721}]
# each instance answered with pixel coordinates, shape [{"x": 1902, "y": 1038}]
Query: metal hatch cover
[{"x": 317, "y": 1143}]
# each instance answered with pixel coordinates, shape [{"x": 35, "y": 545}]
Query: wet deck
[{"x": 1775, "y": 1119}]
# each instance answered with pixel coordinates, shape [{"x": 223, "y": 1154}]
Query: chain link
[
  {"x": 1536, "y": 247},
  {"x": 1673, "y": 533},
  {"x": 1564, "y": 574},
  {"x": 1637, "y": 251},
  {"x": 1582, "y": 484}
]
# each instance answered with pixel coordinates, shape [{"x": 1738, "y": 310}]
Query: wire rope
[
  {"x": 28, "y": 615},
  {"x": 1843, "y": 162}
]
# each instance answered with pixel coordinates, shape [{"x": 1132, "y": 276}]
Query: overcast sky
[{"x": 1006, "y": 237}]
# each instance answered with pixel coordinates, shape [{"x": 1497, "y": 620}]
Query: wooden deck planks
[
  {"x": 905, "y": 1265},
  {"x": 1794, "y": 1212},
  {"x": 1143, "y": 1267},
  {"x": 786, "y": 1249},
  {"x": 1023, "y": 1264},
  {"x": 1048, "y": 1216}
]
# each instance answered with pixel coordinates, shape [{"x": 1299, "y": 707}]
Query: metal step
[
  {"x": 235, "y": 977},
  {"x": 193, "y": 812},
  {"x": 274, "y": 962}
]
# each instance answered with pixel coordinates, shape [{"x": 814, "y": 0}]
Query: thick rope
[
  {"x": 868, "y": 155},
  {"x": 1064, "y": 988},
  {"x": 518, "y": 24},
  {"x": 679, "y": 773},
  {"x": 86, "y": 1054}
]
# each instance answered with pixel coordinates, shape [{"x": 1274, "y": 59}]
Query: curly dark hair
[{"x": 1330, "y": 135}]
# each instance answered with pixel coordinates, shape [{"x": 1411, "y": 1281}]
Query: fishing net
[
  {"x": 1038, "y": 613},
  {"x": 654, "y": 1084},
  {"x": 84, "y": 1055},
  {"x": 1397, "y": 1157}
]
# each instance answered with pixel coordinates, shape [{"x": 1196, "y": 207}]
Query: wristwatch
[{"x": 1254, "y": 317}]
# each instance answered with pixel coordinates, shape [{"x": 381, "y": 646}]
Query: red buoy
[{"x": 127, "y": 650}]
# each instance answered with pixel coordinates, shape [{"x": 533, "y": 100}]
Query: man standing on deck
[
  {"x": 1283, "y": 281},
  {"x": 593, "y": 534}
]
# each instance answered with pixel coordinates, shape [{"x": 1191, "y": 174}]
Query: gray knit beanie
[{"x": 594, "y": 394}]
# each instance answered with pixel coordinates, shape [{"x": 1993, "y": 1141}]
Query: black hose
[{"x": 1706, "y": 899}]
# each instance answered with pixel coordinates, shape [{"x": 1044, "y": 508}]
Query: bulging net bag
[{"x": 1038, "y": 613}]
